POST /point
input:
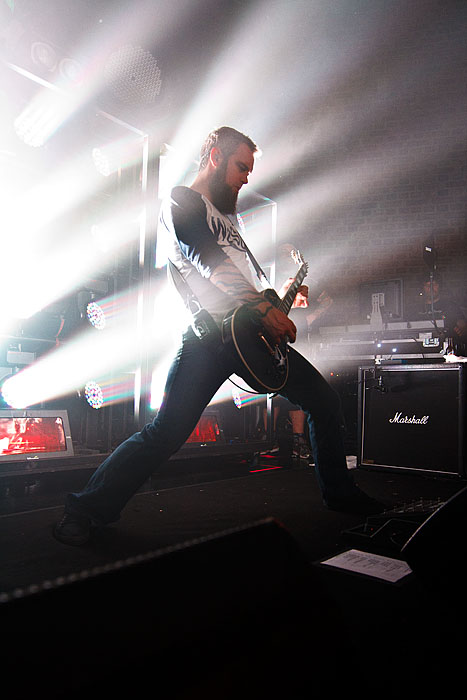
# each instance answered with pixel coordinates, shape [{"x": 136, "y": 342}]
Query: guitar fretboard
[{"x": 288, "y": 299}]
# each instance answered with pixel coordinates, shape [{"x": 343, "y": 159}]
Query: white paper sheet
[{"x": 375, "y": 565}]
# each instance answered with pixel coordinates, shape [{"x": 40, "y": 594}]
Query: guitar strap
[
  {"x": 202, "y": 322},
  {"x": 181, "y": 285},
  {"x": 191, "y": 300},
  {"x": 258, "y": 269}
]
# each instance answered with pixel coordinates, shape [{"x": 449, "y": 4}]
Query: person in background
[
  {"x": 303, "y": 316},
  {"x": 435, "y": 301},
  {"x": 433, "y": 304}
]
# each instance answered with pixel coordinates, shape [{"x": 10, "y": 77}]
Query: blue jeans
[{"x": 197, "y": 372}]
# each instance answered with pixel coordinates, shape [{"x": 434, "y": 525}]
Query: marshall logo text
[{"x": 418, "y": 421}]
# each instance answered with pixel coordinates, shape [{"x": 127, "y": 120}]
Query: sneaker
[
  {"x": 73, "y": 529},
  {"x": 300, "y": 449},
  {"x": 273, "y": 451}
]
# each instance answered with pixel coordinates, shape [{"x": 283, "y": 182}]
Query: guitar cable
[{"x": 250, "y": 391}]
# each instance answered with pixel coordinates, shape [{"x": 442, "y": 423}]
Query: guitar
[{"x": 266, "y": 363}]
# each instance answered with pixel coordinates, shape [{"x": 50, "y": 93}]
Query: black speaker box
[
  {"x": 210, "y": 618},
  {"x": 411, "y": 417}
]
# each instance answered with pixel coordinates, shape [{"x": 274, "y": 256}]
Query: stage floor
[{"x": 187, "y": 500}]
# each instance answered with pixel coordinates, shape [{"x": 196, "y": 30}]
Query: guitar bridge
[{"x": 280, "y": 358}]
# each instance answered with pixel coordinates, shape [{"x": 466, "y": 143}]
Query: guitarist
[{"x": 212, "y": 260}]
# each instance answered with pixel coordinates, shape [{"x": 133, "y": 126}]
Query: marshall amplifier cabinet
[{"x": 411, "y": 417}]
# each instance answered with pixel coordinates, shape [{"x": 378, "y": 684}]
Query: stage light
[
  {"x": 40, "y": 271},
  {"x": 42, "y": 117},
  {"x": 94, "y": 395},
  {"x": 71, "y": 70},
  {"x": 237, "y": 399},
  {"x": 96, "y": 354},
  {"x": 133, "y": 75},
  {"x": 109, "y": 390},
  {"x": 123, "y": 153},
  {"x": 4, "y": 395},
  {"x": 95, "y": 315},
  {"x": 11, "y": 395},
  {"x": 240, "y": 396},
  {"x": 101, "y": 161},
  {"x": 29, "y": 127},
  {"x": 70, "y": 365},
  {"x": 44, "y": 55}
]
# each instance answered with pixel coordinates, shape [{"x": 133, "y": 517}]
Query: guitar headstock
[{"x": 298, "y": 258}]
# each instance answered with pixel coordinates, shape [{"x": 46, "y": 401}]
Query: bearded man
[{"x": 211, "y": 260}]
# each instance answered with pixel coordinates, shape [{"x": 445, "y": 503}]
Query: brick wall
[{"x": 398, "y": 164}]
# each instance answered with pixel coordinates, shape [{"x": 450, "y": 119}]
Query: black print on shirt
[{"x": 227, "y": 235}]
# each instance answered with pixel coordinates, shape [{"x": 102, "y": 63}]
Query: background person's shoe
[{"x": 300, "y": 448}]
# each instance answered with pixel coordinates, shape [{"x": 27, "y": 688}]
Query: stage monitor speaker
[
  {"x": 411, "y": 417},
  {"x": 205, "y": 619},
  {"x": 436, "y": 551}
]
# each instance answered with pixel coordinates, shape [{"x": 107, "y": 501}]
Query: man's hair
[{"x": 227, "y": 141}]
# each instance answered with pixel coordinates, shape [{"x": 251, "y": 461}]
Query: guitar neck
[{"x": 288, "y": 299}]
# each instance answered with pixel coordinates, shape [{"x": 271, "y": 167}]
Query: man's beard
[{"x": 224, "y": 197}]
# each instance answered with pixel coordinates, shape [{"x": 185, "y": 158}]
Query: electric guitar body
[{"x": 265, "y": 363}]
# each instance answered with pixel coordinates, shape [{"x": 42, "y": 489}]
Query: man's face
[{"x": 229, "y": 177}]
